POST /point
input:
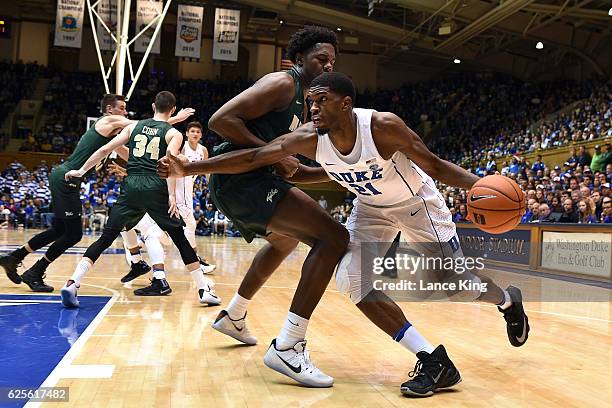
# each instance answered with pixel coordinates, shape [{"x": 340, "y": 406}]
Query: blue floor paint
[
  {"x": 35, "y": 336},
  {"x": 71, "y": 251}
]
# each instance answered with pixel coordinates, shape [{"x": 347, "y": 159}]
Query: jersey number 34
[{"x": 142, "y": 147}]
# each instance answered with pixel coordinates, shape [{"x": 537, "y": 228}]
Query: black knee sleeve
[
  {"x": 106, "y": 240},
  {"x": 46, "y": 237},
  {"x": 71, "y": 235},
  {"x": 188, "y": 255}
]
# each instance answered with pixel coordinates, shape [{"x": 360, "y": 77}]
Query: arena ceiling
[
  {"x": 497, "y": 34},
  {"x": 482, "y": 32}
]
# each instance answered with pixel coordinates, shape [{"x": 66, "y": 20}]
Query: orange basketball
[{"x": 496, "y": 204}]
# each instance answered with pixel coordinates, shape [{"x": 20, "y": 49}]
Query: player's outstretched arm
[
  {"x": 101, "y": 153},
  {"x": 303, "y": 141},
  {"x": 181, "y": 116},
  {"x": 309, "y": 175},
  {"x": 402, "y": 138}
]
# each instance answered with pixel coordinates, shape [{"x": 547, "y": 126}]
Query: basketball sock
[
  {"x": 81, "y": 269},
  {"x": 41, "y": 265},
  {"x": 20, "y": 253},
  {"x": 507, "y": 302},
  {"x": 237, "y": 307},
  {"x": 159, "y": 274},
  {"x": 293, "y": 330},
  {"x": 200, "y": 280},
  {"x": 411, "y": 339},
  {"x": 136, "y": 257}
]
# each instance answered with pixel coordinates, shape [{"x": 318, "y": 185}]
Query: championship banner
[
  {"x": 107, "y": 9},
  {"x": 227, "y": 28},
  {"x": 189, "y": 31},
  {"x": 146, "y": 11},
  {"x": 69, "y": 23}
]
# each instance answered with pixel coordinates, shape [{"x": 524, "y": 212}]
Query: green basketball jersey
[
  {"x": 89, "y": 143},
  {"x": 147, "y": 144},
  {"x": 274, "y": 124}
]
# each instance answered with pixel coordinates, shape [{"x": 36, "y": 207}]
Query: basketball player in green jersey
[
  {"x": 143, "y": 191},
  {"x": 261, "y": 202},
  {"x": 66, "y": 230}
]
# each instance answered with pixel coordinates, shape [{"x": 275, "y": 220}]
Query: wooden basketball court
[{"x": 159, "y": 352}]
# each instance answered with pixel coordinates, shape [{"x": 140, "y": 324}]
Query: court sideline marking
[{"x": 63, "y": 367}]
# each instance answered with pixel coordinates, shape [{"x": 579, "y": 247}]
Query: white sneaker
[
  {"x": 208, "y": 296},
  {"x": 208, "y": 268},
  {"x": 295, "y": 363},
  {"x": 69, "y": 295},
  {"x": 234, "y": 328}
]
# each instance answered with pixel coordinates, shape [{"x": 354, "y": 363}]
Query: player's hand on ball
[
  {"x": 184, "y": 113},
  {"x": 171, "y": 166},
  {"x": 73, "y": 174},
  {"x": 287, "y": 167}
]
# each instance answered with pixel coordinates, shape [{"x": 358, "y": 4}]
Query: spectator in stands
[
  {"x": 586, "y": 212},
  {"x": 323, "y": 202},
  {"x": 462, "y": 214},
  {"x": 606, "y": 214},
  {"x": 220, "y": 223},
  {"x": 598, "y": 161},
  {"x": 209, "y": 214},
  {"x": 203, "y": 228},
  {"x": 87, "y": 215},
  {"x": 556, "y": 206},
  {"x": 538, "y": 164},
  {"x": 584, "y": 158},
  {"x": 544, "y": 213},
  {"x": 569, "y": 215}
]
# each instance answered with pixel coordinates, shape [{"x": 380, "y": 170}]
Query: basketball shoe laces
[
  {"x": 303, "y": 359},
  {"x": 423, "y": 369}
]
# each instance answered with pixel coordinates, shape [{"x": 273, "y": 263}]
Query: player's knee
[
  {"x": 468, "y": 288},
  {"x": 74, "y": 235},
  {"x": 337, "y": 240},
  {"x": 284, "y": 245},
  {"x": 348, "y": 277}
]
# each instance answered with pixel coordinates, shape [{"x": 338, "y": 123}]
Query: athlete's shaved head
[
  {"x": 307, "y": 38},
  {"x": 335, "y": 82}
]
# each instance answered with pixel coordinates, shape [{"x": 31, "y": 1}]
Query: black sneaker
[
  {"x": 158, "y": 287},
  {"x": 432, "y": 372},
  {"x": 10, "y": 264},
  {"x": 34, "y": 279},
  {"x": 138, "y": 269},
  {"x": 517, "y": 324}
]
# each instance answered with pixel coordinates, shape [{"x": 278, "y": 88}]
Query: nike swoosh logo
[
  {"x": 330, "y": 164},
  {"x": 437, "y": 378},
  {"x": 295, "y": 324},
  {"x": 480, "y": 197},
  {"x": 413, "y": 213},
  {"x": 299, "y": 103},
  {"x": 524, "y": 335},
  {"x": 296, "y": 370},
  {"x": 234, "y": 324}
]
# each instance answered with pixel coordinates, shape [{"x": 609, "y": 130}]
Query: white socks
[
  {"x": 507, "y": 301},
  {"x": 410, "y": 338},
  {"x": 159, "y": 274},
  {"x": 293, "y": 330},
  {"x": 135, "y": 258},
  {"x": 237, "y": 307},
  {"x": 81, "y": 270},
  {"x": 201, "y": 281}
]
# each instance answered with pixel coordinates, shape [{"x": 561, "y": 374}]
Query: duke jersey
[
  {"x": 184, "y": 185},
  {"x": 363, "y": 171}
]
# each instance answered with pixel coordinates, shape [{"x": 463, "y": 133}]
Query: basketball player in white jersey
[
  {"x": 375, "y": 155},
  {"x": 193, "y": 151}
]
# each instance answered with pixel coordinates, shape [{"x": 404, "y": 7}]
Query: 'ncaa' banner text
[
  {"x": 227, "y": 29},
  {"x": 107, "y": 10},
  {"x": 69, "y": 23},
  {"x": 189, "y": 31},
  {"x": 146, "y": 11}
]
